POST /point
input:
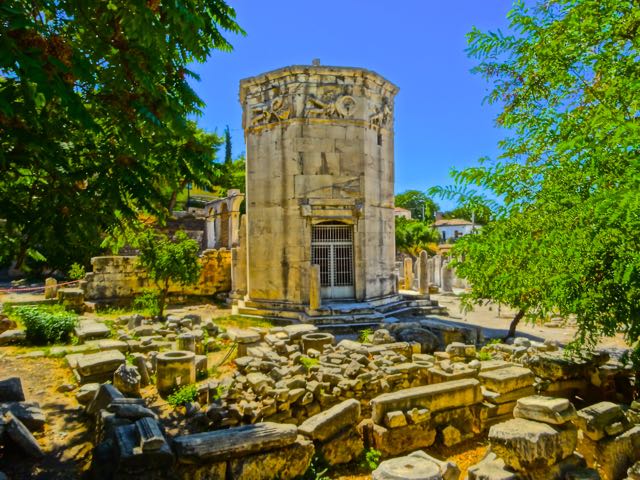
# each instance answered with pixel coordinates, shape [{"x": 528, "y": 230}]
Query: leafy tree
[
  {"x": 412, "y": 236},
  {"x": 94, "y": 102},
  {"x": 481, "y": 215},
  {"x": 235, "y": 174},
  {"x": 421, "y": 206},
  {"x": 167, "y": 260},
  {"x": 228, "y": 156},
  {"x": 565, "y": 237}
]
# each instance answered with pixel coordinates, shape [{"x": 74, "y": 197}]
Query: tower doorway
[{"x": 332, "y": 249}]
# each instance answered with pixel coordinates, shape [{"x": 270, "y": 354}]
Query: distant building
[
  {"x": 453, "y": 228},
  {"x": 402, "y": 212}
]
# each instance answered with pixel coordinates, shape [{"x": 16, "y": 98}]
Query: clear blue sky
[{"x": 440, "y": 119}]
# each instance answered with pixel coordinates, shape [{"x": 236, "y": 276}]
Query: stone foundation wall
[{"x": 121, "y": 277}]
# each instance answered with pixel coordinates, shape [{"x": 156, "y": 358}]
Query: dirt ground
[
  {"x": 65, "y": 438},
  {"x": 495, "y": 323},
  {"x": 67, "y": 441}
]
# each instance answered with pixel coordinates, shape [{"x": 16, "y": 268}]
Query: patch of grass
[
  {"x": 308, "y": 362},
  {"x": 114, "y": 311},
  {"x": 238, "y": 321},
  {"x": 111, "y": 325},
  {"x": 217, "y": 345},
  {"x": 183, "y": 395}
]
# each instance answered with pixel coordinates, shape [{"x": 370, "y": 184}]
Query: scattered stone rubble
[
  {"x": 609, "y": 439},
  {"x": 18, "y": 419},
  {"x": 298, "y": 393},
  {"x": 548, "y": 439}
]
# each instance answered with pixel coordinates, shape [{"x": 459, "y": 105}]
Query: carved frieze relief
[
  {"x": 275, "y": 111},
  {"x": 328, "y": 105},
  {"x": 382, "y": 116},
  {"x": 340, "y": 106}
]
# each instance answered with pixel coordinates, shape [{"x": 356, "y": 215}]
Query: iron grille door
[{"x": 332, "y": 249}]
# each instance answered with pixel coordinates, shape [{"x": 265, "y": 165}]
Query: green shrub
[
  {"x": 46, "y": 325},
  {"x": 149, "y": 301},
  {"x": 371, "y": 459},
  {"x": 183, "y": 395},
  {"x": 220, "y": 389},
  {"x": 365, "y": 335},
  {"x": 77, "y": 272},
  {"x": 484, "y": 355}
]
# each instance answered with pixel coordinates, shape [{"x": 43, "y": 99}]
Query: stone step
[
  {"x": 263, "y": 313},
  {"x": 408, "y": 310},
  {"x": 88, "y": 330}
]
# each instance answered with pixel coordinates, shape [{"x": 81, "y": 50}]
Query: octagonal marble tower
[{"x": 320, "y": 179}]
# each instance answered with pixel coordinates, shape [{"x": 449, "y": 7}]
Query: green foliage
[
  {"x": 371, "y": 459},
  {"x": 317, "y": 469},
  {"x": 238, "y": 321},
  {"x": 480, "y": 214},
  {"x": 565, "y": 236},
  {"x": 46, "y": 325},
  {"x": 183, "y": 395},
  {"x": 218, "y": 392},
  {"x": 95, "y": 99},
  {"x": 421, "y": 206},
  {"x": 413, "y": 236},
  {"x": 167, "y": 260},
  {"x": 217, "y": 345},
  {"x": 308, "y": 362},
  {"x": 232, "y": 175},
  {"x": 227, "y": 147},
  {"x": 365, "y": 335},
  {"x": 484, "y": 355},
  {"x": 77, "y": 271},
  {"x": 148, "y": 301}
]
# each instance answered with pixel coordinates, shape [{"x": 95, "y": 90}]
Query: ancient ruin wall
[
  {"x": 121, "y": 277},
  {"x": 319, "y": 148}
]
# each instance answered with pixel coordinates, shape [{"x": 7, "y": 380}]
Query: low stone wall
[{"x": 121, "y": 277}]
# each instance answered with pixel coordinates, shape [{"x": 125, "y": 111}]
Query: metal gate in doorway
[{"x": 332, "y": 249}]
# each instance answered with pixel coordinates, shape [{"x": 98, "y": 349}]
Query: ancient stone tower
[{"x": 319, "y": 188}]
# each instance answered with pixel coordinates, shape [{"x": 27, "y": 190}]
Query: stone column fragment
[
  {"x": 408, "y": 273},
  {"x": 50, "y": 288},
  {"x": 314, "y": 288},
  {"x": 423, "y": 272}
]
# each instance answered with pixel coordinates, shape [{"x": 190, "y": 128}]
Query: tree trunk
[
  {"x": 163, "y": 299},
  {"x": 174, "y": 195},
  {"x": 514, "y": 323},
  {"x": 22, "y": 255}
]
